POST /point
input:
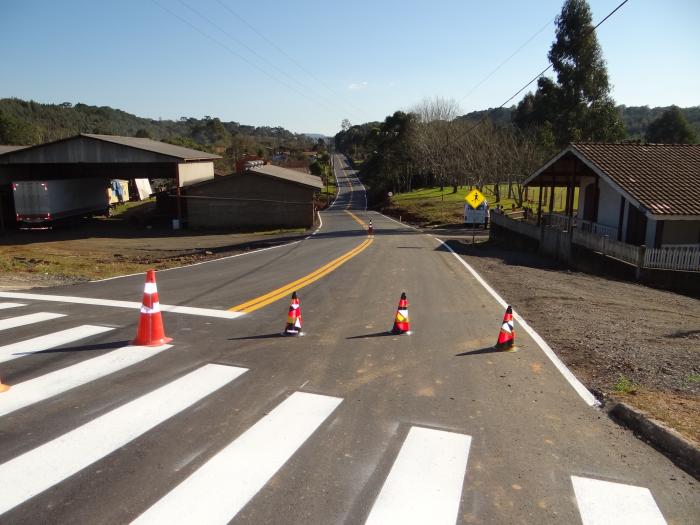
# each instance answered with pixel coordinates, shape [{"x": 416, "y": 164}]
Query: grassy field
[{"x": 430, "y": 206}]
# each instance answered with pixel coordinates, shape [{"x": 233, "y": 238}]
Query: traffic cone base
[
  {"x": 294, "y": 321},
  {"x": 506, "y": 336},
  {"x": 150, "y": 331},
  {"x": 4, "y": 387},
  {"x": 402, "y": 324}
]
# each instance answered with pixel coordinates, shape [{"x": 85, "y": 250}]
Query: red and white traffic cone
[
  {"x": 150, "y": 331},
  {"x": 3, "y": 387},
  {"x": 401, "y": 323},
  {"x": 370, "y": 229},
  {"x": 294, "y": 321},
  {"x": 506, "y": 337}
]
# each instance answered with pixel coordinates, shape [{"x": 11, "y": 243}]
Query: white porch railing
[
  {"x": 594, "y": 227},
  {"x": 677, "y": 257},
  {"x": 607, "y": 246},
  {"x": 558, "y": 221}
]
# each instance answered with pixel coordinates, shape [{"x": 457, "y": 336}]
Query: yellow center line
[
  {"x": 279, "y": 293},
  {"x": 359, "y": 221}
]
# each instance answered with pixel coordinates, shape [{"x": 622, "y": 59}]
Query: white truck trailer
[{"x": 42, "y": 203}]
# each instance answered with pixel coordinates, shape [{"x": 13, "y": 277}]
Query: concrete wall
[
  {"x": 609, "y": 205},
  {"x": 248, "y": 201},
  {"x": 193, "y": 172},
  {"x": 681, "y": 232}
]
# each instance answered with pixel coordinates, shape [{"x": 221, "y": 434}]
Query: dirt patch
[
  {"x": 101, "y": 249},
  {"x": 621, "y": 339}
]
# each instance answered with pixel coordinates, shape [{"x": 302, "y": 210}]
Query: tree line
[
  {"x": 28, "y": 122},
  {"x": 430, "y": 144}
]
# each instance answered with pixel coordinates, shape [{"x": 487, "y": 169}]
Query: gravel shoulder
[{"x": 623, "y": 340}]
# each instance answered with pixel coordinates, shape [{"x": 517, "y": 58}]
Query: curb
[{"x": 683, "y": 452}]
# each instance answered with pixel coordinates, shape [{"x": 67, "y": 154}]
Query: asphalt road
[{"x": 348, "y": 424}]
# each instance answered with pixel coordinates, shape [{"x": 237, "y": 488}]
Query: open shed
[{"x": 102, "y": 157}]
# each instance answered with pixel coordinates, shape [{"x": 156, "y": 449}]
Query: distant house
[
  {"x": 264, "y": 196},
  {"x": 638, "y": 194}
]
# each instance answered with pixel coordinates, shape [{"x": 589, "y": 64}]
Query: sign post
[{"x": 474, "y": 198}]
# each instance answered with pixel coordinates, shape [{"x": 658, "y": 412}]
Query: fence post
[
  {"x": 605, "y": 244},
  {"x": 640, "y": 260}
]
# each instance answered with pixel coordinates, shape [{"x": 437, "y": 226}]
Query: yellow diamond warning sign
[{"x": 475, "y": 198}]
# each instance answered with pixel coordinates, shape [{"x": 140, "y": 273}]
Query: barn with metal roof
[{"x": 102, "y": 157}]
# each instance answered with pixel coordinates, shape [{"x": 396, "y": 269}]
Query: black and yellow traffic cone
[
  {"x": 294, "y": 318},
  {"x": 401, "y": 323},
  {"x": 506, "y": 337}
]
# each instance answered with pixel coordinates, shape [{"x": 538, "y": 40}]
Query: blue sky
[{"x": 361, "y": 60}]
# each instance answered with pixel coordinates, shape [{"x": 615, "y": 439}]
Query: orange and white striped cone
[
  {"x": 294, "y": 318},
  {"x": 370, "y": 229},
  {"x": 506, "y": 337},
  {"x": 150, "y": 331},
  {"x": 3, "y": 387},
  {"x": 401, "y": 323}
]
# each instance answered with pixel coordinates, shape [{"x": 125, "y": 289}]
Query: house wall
[
  {"x": 249, "y": 200},
  {"x": 681, "y": 232},
  {"x": 193, "y": 172},
  {"x": 609, "y": 205},
  {"x": 650, "y": 238}
]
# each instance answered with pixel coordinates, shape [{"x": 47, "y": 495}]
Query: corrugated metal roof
[
  {"x": 7, "y": 149},
  {"x": 155, "y": 146},
  {"x": 305, "y": 179},
  {"x": 664, "y": 178}
]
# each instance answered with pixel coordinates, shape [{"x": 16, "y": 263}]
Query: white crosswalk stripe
[
  {"x": 425, "y": 482},
  {"x": 22, "y": 320},
  {"x": 48, "y": 341},
  {"x": 221, "y": 487},
  {"x": 603, "y": 502},
  {"x": 54, "y": 383},
  {"x": 41, "y": 468},
  {"x": 4, "y": 306}
]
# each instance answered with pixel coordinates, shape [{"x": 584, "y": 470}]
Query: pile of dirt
[{"x": 622, "y": 339}]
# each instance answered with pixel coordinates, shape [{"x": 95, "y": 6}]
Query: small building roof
[
  {"x": 298, "y": 177},
  {"x": 662, "y": 178},
  {"x": 7, "y": 149}
]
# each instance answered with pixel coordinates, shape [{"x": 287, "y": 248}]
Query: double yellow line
[{"x": 279, "y": 293}]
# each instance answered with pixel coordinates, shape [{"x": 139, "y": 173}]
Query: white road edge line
[
  {"x": 425, "y": 482},
  {"x": 189, "y": 310},
  {"x": 580, "y": 389},
  {"x": 220, "y": 488},
  {"x": 59, "y": 381},
  {"x": 48, "y": 341},
  {"x": 43, "y": 467},
  {"x": 603, "y": 502}
]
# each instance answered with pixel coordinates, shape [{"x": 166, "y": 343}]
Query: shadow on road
[
  {"x": 276, "y": 335},
  {"x": 485, "y": 350},
  {"x": 378, "y": 334}
]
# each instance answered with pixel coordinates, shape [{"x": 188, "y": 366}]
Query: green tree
[
  {"x": 578, "y": 106},
  {"x": 671, "y": 128},
  {"x": 15, "y": 131}
]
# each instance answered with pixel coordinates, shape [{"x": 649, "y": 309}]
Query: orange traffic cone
[
  {"x": 370, "y": 229},
  {"x": 150, "y": 331},
  {"x": 401, "y": 322},
  {"x": 3, "y": 387},
  {"x": 294, "y": 318},
  {"x": 506, "y": 337}
]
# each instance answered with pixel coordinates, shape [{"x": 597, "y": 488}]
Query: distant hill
[
  {"x": 635, "y": 118},
  {"x": 29, "y": 122}
]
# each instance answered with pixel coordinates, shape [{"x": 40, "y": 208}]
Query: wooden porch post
[
  {"x": 539, "y": 205},
  {"x": 551, "y": 196}
]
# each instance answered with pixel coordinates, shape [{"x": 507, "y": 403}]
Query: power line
[
  {"x": 289, "y": 57},
  {"x": 238, "y": 55},
  {"x": 258, "y": 55},
  {"x": 499, "y": 66},
  {"x": 484, "y": 117}
]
